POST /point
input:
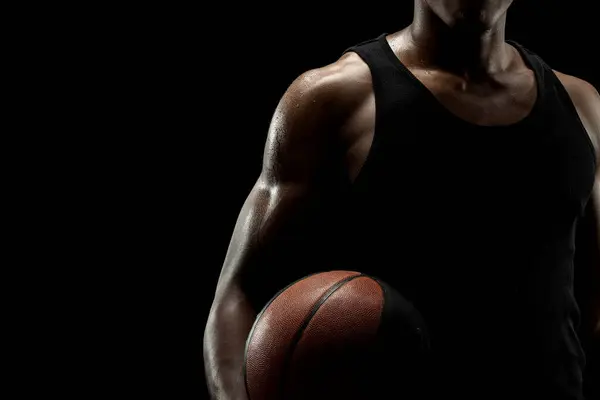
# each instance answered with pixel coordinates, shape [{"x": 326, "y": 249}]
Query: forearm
[
  {"x": 596, "y": 296},
  {"x": 596, "y": 261},
  {"x": 228, "y": 325}
]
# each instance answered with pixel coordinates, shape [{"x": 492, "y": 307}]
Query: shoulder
[
  {"x": 577, "y": 87},
  {"x": 321, "y": 100},
  {"x": 311, "y": 112},
  {"x": 335, "y": 88},
  {"x": 586, "y": 99}
]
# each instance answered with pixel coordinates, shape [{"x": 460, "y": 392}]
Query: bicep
[
  {"x": 596, "y": 199},
  {"x": 299, "y": 133},
  {"x": 287, "y": 187},
  {"x": 596, "y": 216}
]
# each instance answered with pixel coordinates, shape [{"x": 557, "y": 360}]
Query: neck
[{"x": 467, "y": 49}]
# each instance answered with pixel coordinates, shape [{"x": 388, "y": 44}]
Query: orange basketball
[{"x": 337, "y": 334}]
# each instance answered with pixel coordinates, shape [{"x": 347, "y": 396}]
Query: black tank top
[{"x": 475, "y": 226}]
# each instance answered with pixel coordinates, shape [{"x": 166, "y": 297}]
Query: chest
[
  {"x": 509, "y": 102},
  {"x": 504, "y": 100},
  {"x": 431, "y": 147},
  {"x": 484, "y": 104}
]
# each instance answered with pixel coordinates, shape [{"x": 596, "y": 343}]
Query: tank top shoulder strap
[
  {"x": 543, "y": 74},
  {"x": 372, "y": 54},
  {"x": 557, "y": 100},
  {"x": 549, "y": 86},
  {"x": 532, "y": 60},
  {"x": 386, "y": 73}
]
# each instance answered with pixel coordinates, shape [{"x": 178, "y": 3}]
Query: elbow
[
  {"x": 224, "y": 302},
  {"x": 229, "y": 305}
]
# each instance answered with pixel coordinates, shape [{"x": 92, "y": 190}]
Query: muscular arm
[
  {"x": 290, "y": 181},
  {"x": 587, "y": 102},
  {"x": 596, "y": 206}
]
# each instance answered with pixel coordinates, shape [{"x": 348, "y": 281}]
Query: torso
[
  {"x": 503, "y": 100},
  {"x": 500, "y": 230}
]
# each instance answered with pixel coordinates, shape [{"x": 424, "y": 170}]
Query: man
[{"x": 452, "y": 165}]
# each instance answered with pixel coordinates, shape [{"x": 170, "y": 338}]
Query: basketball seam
[
  {"x": 259, "y": 316},
  {"x": 383, "y": 302},
  {"x": 422, "y": 328},
  {"x": 300, "y": 332}
]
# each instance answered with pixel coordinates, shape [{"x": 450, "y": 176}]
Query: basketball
[{"x": 336, "y": 334}]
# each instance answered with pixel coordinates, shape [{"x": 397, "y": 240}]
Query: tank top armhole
[
  {"x": 377, "y": 93},
  {"x": 567, "y": 102},
  {"x": 549, "y": 78}
]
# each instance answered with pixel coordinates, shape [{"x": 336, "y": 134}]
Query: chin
[
  {"x": 472, "y": 21},
  {"x": 473, "y": 14}
]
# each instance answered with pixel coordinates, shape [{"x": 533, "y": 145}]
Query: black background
[{"x": 173, "y": 137}]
